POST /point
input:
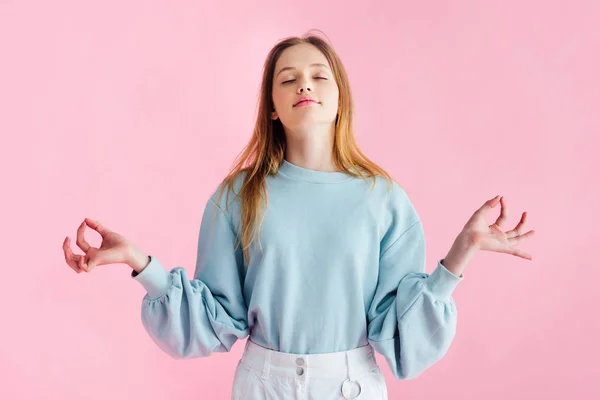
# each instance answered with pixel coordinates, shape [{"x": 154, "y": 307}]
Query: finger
[
  {"x": 503, "y": 213},
  {"x": 81, "y": 243},
  {"x": 97, "y": 226},
  {"x": 491, "y": 203},
  {"x": 70, "y": 258},
  {"x": 518, "y": 239},
  {"x": 83, "y": 264},
  {"x": 515, "y": 231},
  {"x": 522, "y": 254}
]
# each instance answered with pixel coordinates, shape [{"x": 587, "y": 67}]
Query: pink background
[{"x": 131, "y": 112}]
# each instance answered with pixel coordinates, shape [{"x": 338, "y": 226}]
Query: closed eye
[{"x": 292, "y": 80}]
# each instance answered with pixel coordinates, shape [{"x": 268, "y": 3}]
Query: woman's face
[{"x": 304, "y": 79}]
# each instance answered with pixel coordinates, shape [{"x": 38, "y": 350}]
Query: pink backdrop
[{"x": 131, "y": 112}]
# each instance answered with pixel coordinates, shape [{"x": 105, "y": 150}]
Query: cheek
[
  {"x": 280, "y": 96},
  {"x": 331, "y": 92},
  {"x": 276, "y": 98},
  {"x": 331, "y": 95}
]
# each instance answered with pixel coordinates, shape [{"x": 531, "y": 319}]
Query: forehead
[{"x": 300, "y": 56}]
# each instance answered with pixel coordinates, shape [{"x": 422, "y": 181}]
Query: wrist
[
  {"x": 467, "y": 241},
  {"x": 459, "y": 255},
  {"x": 138, "y": 260}
]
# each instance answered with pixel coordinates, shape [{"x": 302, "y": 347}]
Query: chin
[{"x": 307, "y": 123}]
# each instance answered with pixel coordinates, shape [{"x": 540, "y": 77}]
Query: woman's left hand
[{"x": 491, "y": 237}]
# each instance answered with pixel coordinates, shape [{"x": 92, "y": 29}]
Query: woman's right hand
[{"x": 114, "y": 248}]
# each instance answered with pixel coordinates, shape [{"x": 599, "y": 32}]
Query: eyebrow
[{"x": 311, "y": 65}]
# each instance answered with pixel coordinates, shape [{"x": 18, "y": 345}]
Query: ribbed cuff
[
  {"x": 442, "y": 282},
  {"x": 154, "y": 278}
]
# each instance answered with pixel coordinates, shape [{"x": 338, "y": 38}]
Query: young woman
[{"x": 318, "y": 255}]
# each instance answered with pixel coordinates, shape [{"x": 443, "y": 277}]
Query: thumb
[
  {"x": 92, "y": 260},
  {"x": 88, "y": 263},
  {"x": 493, "y": 202},
  {"x": 100, "y": 257}
]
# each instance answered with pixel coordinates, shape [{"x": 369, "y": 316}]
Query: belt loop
[
  {"x": 350, "y": 372},
  {"x": 349, "y": 367},
  {"x": 266, "y": 365}
]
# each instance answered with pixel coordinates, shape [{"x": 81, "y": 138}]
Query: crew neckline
[{"x": 310, "y": 175}]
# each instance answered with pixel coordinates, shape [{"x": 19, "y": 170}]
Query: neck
[{"x": 311, "y": 149}]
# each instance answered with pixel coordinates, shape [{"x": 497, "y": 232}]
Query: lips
[
  {"x": 305, "y": 99},
  {"x": 304, "y": 102}
]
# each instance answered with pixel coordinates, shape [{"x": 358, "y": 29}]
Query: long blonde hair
[{"x": 265, "y": 151}]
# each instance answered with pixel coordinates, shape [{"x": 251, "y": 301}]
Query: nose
[{"x": 304, "y": 87}]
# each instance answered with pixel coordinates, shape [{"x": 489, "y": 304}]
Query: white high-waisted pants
[{"x": 265, "y": 374}]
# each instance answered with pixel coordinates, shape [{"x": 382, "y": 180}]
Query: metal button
[
  {"x": 299, "y": 361},
  {"x": 299, "y": 370}
]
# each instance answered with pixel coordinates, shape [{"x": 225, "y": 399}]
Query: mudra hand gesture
[
  {"x": 491, "y": 237},
  {"x": 115, "y": 248}
]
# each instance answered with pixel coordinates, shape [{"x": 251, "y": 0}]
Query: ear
[{"x": 274, "y": 115}]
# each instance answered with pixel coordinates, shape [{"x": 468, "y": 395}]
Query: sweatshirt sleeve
[
  {"x": 190, "y": 318},
  {"x": 412, "y": 319}
]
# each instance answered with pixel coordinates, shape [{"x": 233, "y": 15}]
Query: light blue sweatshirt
[{"x": 341, "y": 266}]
